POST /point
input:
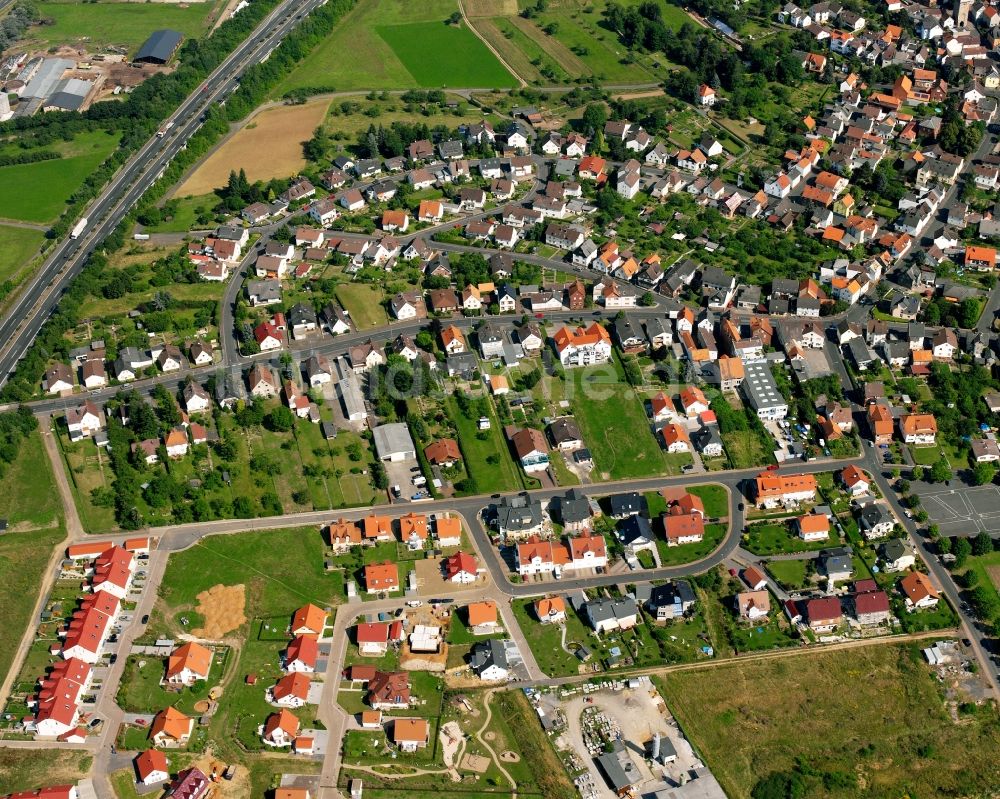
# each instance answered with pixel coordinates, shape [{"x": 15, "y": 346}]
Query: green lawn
[
  {"x": 714, "y": 497},
  {"x": 275, "y": 586},
  {"x": 186, "y": 213},
  {"x": 100, "y": 24},
  {"x": 867, "y": 722},
  {"x": 20, "y": 246},
  {"x": 503, "y": 475},
  {"x": 745, "y": 449},
  {"x": 23, "y": 559},
  {"x": 626, "y": 449},
  {"x": 141, "y": 691},
  {"x": 28, "y": 495},
  {"x": 925, "y": 456},
  {"x": 789, "y": 573},
  {"x": 45, "y": 186},
  {"x": 545, "y": 639},
  {"x": 439, "y": 55},
  {"x": 778, "y": 537},
  {"x": 363, "y": 302},
  {"x": 688, "y": 553}
]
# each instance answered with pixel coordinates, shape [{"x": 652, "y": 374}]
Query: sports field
[
  {"x": 373, "y": 62},
  {"x": 45, "y": 186},
  {"x": 439, "y": 55},
  {"x": 865, "y": 722},
  {"x": 19, "y": 245},
  {"x": 96, "y": 25},
  {"x": 279, "y": 132}
]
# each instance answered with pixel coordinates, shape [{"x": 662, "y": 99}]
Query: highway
[{"x": 41, "y": 296}]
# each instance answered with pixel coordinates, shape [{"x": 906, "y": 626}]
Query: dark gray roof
[
  {"x": 518, "y": 513},
  {"x": 573, "y": 507},
  {"x": 488, "y": 653},
  {"x": 159, "y": 46},
  {"x": 626, "y": 504},
  {"x": 635, "y": 530}
]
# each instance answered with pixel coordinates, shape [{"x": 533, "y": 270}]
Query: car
[
  {"x": 113, "y": 659},
  {"x": 740, "y": 506},
  {"x": 144, "y": 619},
  {"x": 95, "y": 723}
]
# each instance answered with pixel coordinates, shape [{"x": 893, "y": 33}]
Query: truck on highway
[
  {"x": 78, "y": 228},
  {"x": 163, "y": 131}
]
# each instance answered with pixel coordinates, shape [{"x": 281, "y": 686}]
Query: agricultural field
[
  {"x": 45, "y": 186},
  {"x": 445, "y": 56},
  {"x": 98, "y": 25},
  {"x": 24, "y": 558},
  {"x": 279, "y": 132},
  {"x": 20, "y": 246},
  {"x": 868, "y": 721},
  {"x": 27, "y": 769}
]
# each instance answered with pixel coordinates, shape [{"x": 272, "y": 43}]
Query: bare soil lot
[
  {"x": 268, "y": 146},
  {"x": 222, "y": 607}
]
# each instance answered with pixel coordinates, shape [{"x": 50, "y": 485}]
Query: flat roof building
[{"x": 761, "y": 392}]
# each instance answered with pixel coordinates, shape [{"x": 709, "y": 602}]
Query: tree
[
  {"x": 961, "y": 549},
  {"x": 982, "y": 544},
  {"x": 940, "y": 471},
  {"x": 455, "y": 18},
  {"x": 595, "y": 117},
  {"x": 647, "y": 300},
  {"x": 983, "y": 473},
  {"x": 281, "y": 419}
]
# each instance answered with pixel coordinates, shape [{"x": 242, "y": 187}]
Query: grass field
[
  {"x": 688, "y": 553},
  {"x": 379, "y": 67},
  {"x": 439, "y": 55},
  {"x": 715, "y": 499},
  {"x": 870, "y": 721},
  {"x": 28, "y": 496},
  {"x": 279, "y": 132},
  {"x": 363, "y": 302},
  {"x": 745, "y": 449},
  {"x": 392, "y": 110},
  {"x": 29, "y": 769},
  {"x": 516, "y": 48},
  {"x": 778, "y": 537},
  {"x": 504, "y": 475},
  {"x": 45, "y": 186},
  {"x": 790, "y": 573},
  {"x": 627, "y": 448},
  {"x": 23, "y": 560},
  {"x": 95, "y": 25},
  {"x": 20, "y": 246},
  {"x": 275, "y": 586}
]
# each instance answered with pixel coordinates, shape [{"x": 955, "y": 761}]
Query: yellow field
[{"x": 268, "y": 146}]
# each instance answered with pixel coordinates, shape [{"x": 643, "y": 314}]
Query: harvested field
[
  {"x": 222, "y": 607},
  {"x": 517, "y": 56},
  {"x": 279, "y": 132},
  {"x": 490, "y": 8}
]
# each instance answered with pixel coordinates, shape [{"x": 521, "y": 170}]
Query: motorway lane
[{"x": 40, "y": 298}]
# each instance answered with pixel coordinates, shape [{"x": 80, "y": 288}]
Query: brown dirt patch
[
  {"x": 222, "y": 607},
  {"x": 510, "y": 757},
  {"x": 277, "y": 132},
  {"x": 640, "y": 95},
  {"x": 202, "y": 706},
  {"x": 476, "y": 763},
  {"x": 236, "y": 788},
  {"x": 994, "y": 573}
]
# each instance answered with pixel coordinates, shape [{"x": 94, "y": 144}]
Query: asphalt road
[{"x": 36, "y": 303}]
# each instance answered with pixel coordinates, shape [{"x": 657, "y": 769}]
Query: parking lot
[{"x": 963, "y": 511}]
